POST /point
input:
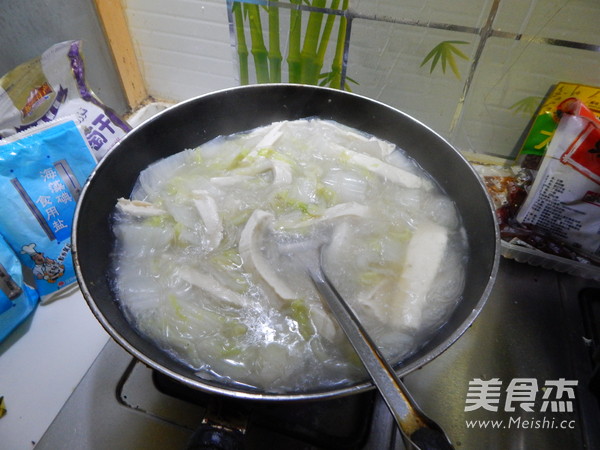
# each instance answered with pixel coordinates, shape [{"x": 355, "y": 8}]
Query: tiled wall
[
  {"x": 183, "y": 46},
  {"x": 516, "y": 50}
]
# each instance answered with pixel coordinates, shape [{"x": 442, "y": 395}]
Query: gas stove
[{"x": 522, "y": 377}]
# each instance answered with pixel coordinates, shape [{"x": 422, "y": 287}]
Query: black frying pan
[{"x": 193, "y": 122}]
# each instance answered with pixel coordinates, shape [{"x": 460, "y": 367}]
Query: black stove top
[
  {"x": 522, "y": 377},
  {"x": 340, "y": 423}
]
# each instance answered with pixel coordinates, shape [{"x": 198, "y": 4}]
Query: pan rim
[{"x": 234, "y": 391}]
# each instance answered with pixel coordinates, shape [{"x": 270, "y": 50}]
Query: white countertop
[{"x": 41, "y": 363}]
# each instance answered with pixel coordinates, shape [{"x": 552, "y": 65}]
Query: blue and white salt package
[
  {"x": 17, "y": 299},
  {"x": 41, "y": 177}
]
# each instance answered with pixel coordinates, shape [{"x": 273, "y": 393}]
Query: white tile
[
  {"x": 210, "y": 10},
  {"x": 386, "y": 60},
  {"x": 510, "y": 71},
  {"x": 185, "y": 50},
  {"x": 569, "y": 20},
  {"x": 183, "y": 84},
  {"x": 183, "y": 46},
  {"x": 466, "y": 13},
  {"x": 182, "y": 52}
]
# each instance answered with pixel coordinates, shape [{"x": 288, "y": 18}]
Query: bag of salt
[
  {"x": 41, "y": 176},
  {"x": 17, "y": 299}
]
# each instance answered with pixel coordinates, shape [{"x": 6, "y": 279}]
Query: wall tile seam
[
  {"x": 180, "y": 37},
  {"x": 350, "y": 15},
  {"x": 484, "y": 34},
  {"x": 548, "y": 41},
  {"x": 143, "y": 15},
  {"x": 217, "y": 62}
]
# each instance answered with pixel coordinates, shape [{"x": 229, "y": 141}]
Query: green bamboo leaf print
[
  {"x": 445, "y": 53},
  {"x": 310, "y": 38},
  {"x": 328, "y": 79},
  {"x": 527, "y": 105}
]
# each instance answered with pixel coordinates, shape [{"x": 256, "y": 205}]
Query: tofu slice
[{"x": 424, "y": 256}]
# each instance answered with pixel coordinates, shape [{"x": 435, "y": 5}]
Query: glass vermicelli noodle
[{"x": 204, "y": 262}]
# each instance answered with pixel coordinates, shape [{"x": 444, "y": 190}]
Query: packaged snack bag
[
  {"x": 42, "y": 172},
  {"x": 549, "y": 113},
  {"x": 53, "y": 86},
  {"x": 564, "y": 200},
  {"x": 17, "y": 299}
]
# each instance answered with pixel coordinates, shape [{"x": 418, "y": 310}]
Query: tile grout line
[{"x": 485, "y": 32}]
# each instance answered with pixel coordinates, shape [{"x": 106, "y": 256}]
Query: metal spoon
[{"x": 418, "y": 431}]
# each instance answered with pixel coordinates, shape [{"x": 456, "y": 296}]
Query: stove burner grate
[{"x": 341, "y": 423}]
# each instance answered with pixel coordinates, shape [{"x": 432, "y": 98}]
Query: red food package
[{"x": 564, "y": 200}]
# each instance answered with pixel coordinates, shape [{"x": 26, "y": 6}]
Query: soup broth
[{"x": 204, "y": 266}]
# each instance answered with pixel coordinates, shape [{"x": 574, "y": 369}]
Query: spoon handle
[{"x": 418, "y": 430}]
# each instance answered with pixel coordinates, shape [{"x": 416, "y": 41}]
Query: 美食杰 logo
[{"x": 545, "y": 400}]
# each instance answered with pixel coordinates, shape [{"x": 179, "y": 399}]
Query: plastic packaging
[
  {"x": 548, "y": 115},
  {"x": 54, "y": 86},
  {"x": 41, "y": 175},
  {"x": 535, "y": 257},
  {"x": 564, "y": 200},
  {"x": 506, "y": 185},
  {"x": 17, "y": 299}
]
